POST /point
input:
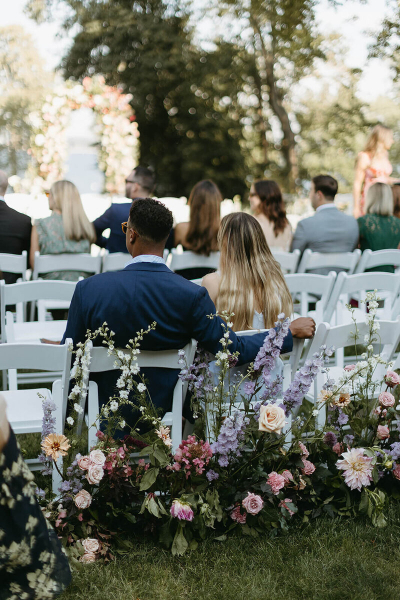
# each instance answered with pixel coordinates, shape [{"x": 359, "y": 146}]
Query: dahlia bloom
[
  {"x": 55, "y": 445},
  {"x": 357, "y": 468},
  {"x": 181, "y": 510}
]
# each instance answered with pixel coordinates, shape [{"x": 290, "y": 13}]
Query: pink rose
[
  {"x": 89, "y": 557},
  {"x": 386, "y": 399},
  {"x": 288, "y": 477},
  {"x": 84, "y": 463},
  {"x": 392, "y": 379},
  {"x": 90, "y": 545},
  {"x": 83, "y": 500},
  {"x": 95, "y": 474},
  {"x": 303, "y": 449},
  {"x": 383, "y": 432},
  {"x": 396, "y": 471},
  {"x": 252, "y": 503},
  {"x": 350, "y": 367},
  {"x": 338, "y": 448},
  {"x": 237, "y": 516},
  {"x": 100, "y": 435},
  {"x": 309, "y": 467},
  {"x": 181, "y": 510},
  {"x": 276, "y": 482},
  {"x": 121, "y": 453},
  {"x": 97, "y": 457},
  {"x": 282, "y": 504}
]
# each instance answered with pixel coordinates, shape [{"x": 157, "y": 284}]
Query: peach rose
[
  {"x": 383, "y": 432},
  {"x": 90, "y": 545},
  {"x": 97, "y": 457},
  {"x": 95, "y": 474},
  {"x": 83, "y": 463},
  {"x": 272, "y": 419},
  {"x": 83, "y": 500},
  {"x": 89, "y": 557},
  {"x": 386, "y": 399}
]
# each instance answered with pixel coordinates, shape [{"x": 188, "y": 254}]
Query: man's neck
[
  {"x": 148, "y": 252},
  {"x": 325, "y": 203}
]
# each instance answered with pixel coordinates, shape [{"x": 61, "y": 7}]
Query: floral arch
[{"x": 115, "y": 126}]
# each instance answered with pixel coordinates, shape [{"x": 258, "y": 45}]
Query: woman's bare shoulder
[
  {"x": 211, "y": 283},
  {"x": 181, "y": 230},
  {"x": 363, "y": 159}
]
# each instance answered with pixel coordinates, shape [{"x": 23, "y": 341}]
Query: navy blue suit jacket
[
  {"x": 112, "y": 219},
  {"x": 131, "y": 299}
]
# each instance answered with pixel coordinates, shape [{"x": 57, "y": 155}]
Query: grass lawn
[{"x": 328, "y": 560}]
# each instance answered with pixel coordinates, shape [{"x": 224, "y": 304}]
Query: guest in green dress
[
  {"x": 379, "y": 229},
  {"x": 67, "y": 230}
]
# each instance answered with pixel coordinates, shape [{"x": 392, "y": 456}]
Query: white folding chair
[
  {"x": 115, "y": 261},
  {"x": 340, "y": 261},
  {"x": 197, "y": 281},
  {"x": 24, "y": 407},
  {"x": 380, "y": 258},
  {"x": 287, "y": 260},
  {"x": 308, "y": 287},
  {"x": 47, "y": 263},
  {"x": 14, "y": 263},
  {"x": 191, "y": 260},
  {"x": 165, "y": 359}
]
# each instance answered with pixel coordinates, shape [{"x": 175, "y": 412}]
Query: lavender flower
[
  {"x": 40, "y": 493},
  {"x": 271, "y": 347},
  {"x": 230, "y": 437},
  {"x": 342, "y": 418},
  {"x": 249, "y": 387},
  {"x": 48, "y": 426},
  {"x": 330, "y": 439},
  {"x": 211, "y": 475},
  {"x": 395, "y": 450},
  {"x": 349, "y": 439}
]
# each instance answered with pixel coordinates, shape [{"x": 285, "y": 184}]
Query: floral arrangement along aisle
[{"x": 256, "y": 463}]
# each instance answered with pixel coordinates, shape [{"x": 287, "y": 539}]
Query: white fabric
[
  {"x": 325, "y": 206},
  {"x": 149, "y": 258}
]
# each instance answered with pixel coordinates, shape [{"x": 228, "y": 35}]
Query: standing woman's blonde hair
[
  {"x": 379, "y": 199},
  {"x": 378, "y": 137},
  {"x": 204, "y": 201},
  {"x": 67, "y": 200},
  {"x": 251, "y": 279}
]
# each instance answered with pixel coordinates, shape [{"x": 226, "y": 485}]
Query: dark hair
[
  {"x": 272, "y": 204},
  {"x": 325, "y": 184},
  {"x": 145, "y": 178},
  {"x": 204, "y": 201},
  {"x": 396, "y": 200},
  {"x": 151, "y": 219}
]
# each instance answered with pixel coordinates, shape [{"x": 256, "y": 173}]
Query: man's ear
[{"x": 133, "y": 236}]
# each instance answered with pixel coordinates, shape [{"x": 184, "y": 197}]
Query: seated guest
[
  {"x": 329, "y": 230},
  {"x": 32, "y": 563},
  {"x": 15, "y": 229},
  {"x": 200, "y": 234},
  {"x": 66, "y": 231},
  {"x": 146, "y": 291},
  {"x": 379, "y": 229},
  {"x": 268, "y": 207},
  {"x": 139, "y": 184}
]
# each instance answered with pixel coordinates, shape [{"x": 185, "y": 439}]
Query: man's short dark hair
[
  {"x": 151, "y": 219},
  {"x": 145, "y": 178},
  {"x": 326, "y": 184}
]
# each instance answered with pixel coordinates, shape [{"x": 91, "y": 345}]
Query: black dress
[{"x": 32, "y": 562}]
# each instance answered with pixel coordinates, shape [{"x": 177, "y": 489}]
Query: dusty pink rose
[
  {"x": 303, "y": 449},
  {"x": 182, "y": 511},
  {"x": 90, "y": 545},
  {"x": 237, "y": 516},
  {"x": 350, "y": 367},
  {"x": 100, "y": 435},
  {"x": 252, "y": 503},
  {"x": 282, "y": 504},
  {"x": 338, "y": 448},
  {"x": 308, "y": 468},
  {"x": 386, "y": 399},
  {"x": 62, "y": 514},
  {"x": 95, "y": 474},
  {"x": 392, "y": 379},
  {"x": 276, "y": 482},
  {"x": 396, "y": 471},
  {"x": 121, "y": 453},
  {"x": 83, "y": 499},
  {"x": 383, "y": 432},
  {"x": 97, "y": 457},
  {"x": 84, "y": 463},
  {"x": 89, "y": 557},
  {"x": 288, "y": 477}
]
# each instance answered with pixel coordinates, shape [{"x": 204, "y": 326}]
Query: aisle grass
[{"x": 328, "y": 560}]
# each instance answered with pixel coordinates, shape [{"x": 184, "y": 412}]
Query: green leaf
[
  {"x": 149, "y": 478},
  {"x": 221, "y": 538},
  {"x": 363, "y": 507},
  {"x": 179, "y": 545},
  {"x": 131, "y": 518}
]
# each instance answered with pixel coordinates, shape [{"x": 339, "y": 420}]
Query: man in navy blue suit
[
  {"x": 139, "y": 184},
  {"x": 146, "y": 291}
]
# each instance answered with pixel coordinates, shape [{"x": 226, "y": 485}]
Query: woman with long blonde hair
[
  {"x": 67, "y": 230},
  {"x": 250, "y": 282},
  {"x": 372, "y": 166}
]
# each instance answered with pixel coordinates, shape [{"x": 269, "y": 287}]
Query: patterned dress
[
  {"x": 372, "y": 176},
  {"x": 32, "y": 563},
  {"x": 379, "y": 232},
  {"x": 52, "y": 240}
]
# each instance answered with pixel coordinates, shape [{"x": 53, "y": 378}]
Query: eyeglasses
[
  {"x": 124, "y": 226},
  {"x": 130, "y": 181},
  {"x": 47, "y": 194}
]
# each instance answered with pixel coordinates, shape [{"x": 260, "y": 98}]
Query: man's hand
[{"x": 303, "y": 328}]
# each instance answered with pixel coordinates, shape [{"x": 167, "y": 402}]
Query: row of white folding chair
[
  {"x": 308, "y": 287},
  {"x": 14, "y": 263},
  {"x": 165, "y": 359},
  {"x": 287, "y": 260},
  {"x": 116, "y": 261},
  {"x": 379, "y": 258},
  {"x": 191, "y": 260},
  {"x": 48, "y": 263},
  {"x": 317, "y": 260}
]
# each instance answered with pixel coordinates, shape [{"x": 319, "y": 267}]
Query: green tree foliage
[{"x": 22, "y": 85}]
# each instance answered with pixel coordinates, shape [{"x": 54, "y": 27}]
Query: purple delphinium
[
  {"x": 330, "y": 439},
  {"x": 211, "y": 475},
  {"x": 395, "y": 450},
  {"x": 48, "y": 427},
  {"x": 40, "y": 493},
  {"x": 230, "y": 437},
  {"x": 198, "y": 375},
  {"x": 348, "y": 439},
  {"x": 303, "y": 379},
  {"x": 249, "y": 387},
  {"x": 342, "y": 418},
  {"x": 271, "y": 347}
]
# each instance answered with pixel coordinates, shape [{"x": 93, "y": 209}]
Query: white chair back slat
[
  {"x": 336, "y": 260},
  {"x": 308, "y": 287},
  {"x": 47, "y": 263},
  {"x": 14, "y": 263},
  {"x": 287, "y": 260},
  {"x": 190, "y": 260},
  {"x": 115, "y": 261},
  {"x": 379, "y": 258}
]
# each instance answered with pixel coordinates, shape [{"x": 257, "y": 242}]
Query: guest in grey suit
[{"x": 329, "y": 230}]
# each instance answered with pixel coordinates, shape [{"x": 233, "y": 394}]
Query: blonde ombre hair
[
  {"x": 379, "y": 199},
  {"x": 376, "y": 138},
  {"x": 251, "y": 278},
  {"x": 67, "y": 200}
]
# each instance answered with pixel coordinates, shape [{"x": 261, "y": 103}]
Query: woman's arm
[
  {"x": 4, "y": 426},
  {"x": 211, "y": 283},
  {"x": 180, "y": 232},
  {"x": 34, "y": 246},
  {"x": 359, "y": 176}
]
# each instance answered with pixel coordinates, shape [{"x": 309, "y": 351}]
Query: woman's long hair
[
  {"x": 376, "y": 138},
  {"x": 272, "y": 204},
  {"x": 250, "y": 276},
  {"x": 67, "y": 200},
  {"x": 204, "y": 201},
  {"x": 379, "y": 199}
]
